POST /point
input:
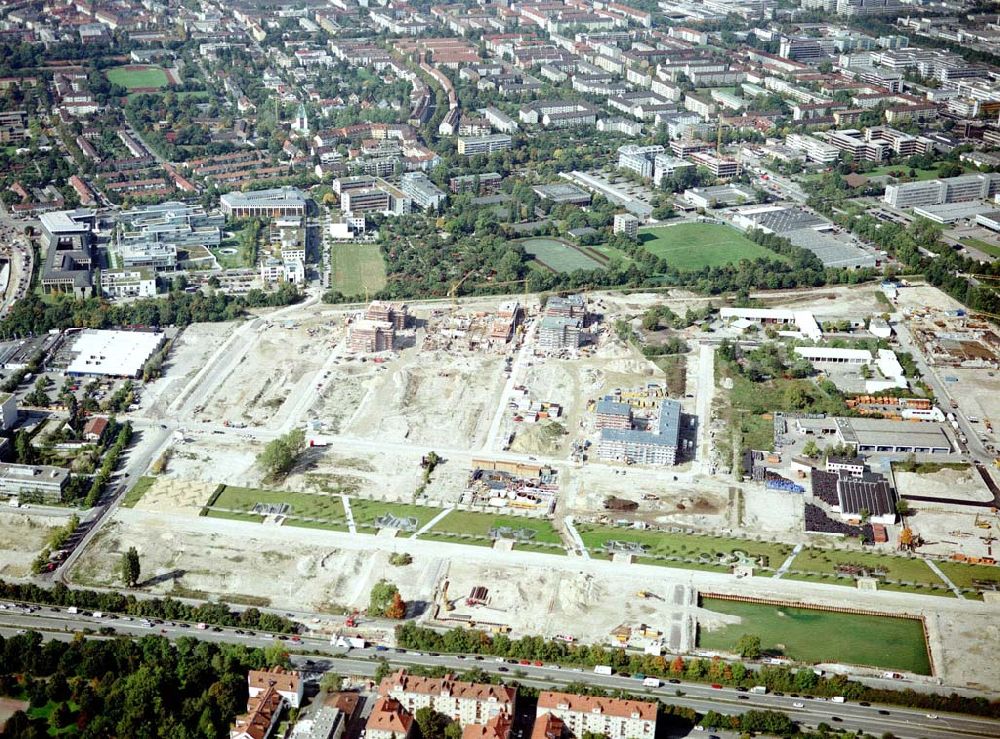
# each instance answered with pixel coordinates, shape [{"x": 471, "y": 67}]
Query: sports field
[
  {"x": 810, "y": 635},
  {"x": 691, "y": 246},
  {"x": 357, "y": 267},
  {"x": 559, "y": 256},
  {"x": 138, "y": 76}
]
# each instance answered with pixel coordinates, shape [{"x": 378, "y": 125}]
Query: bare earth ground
[
  {"x": 10, "y": 706},
  {"x": 22, "y": 537}
]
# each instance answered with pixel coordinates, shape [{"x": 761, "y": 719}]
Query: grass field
[
  {"x": 558, "y": 255},
  {"x": 478, "y": 525},
  {"x": 138, "y": 490},
  {"x": 366, "y": 511},
  {"x": 357, "y": 267},
  {"x": 984, "y": 246},
  {"x": 963, "y": 574},
  {"x": 703, "y": 550},
  {"x": 327, "y": 508},
  {"x": 692, "y": 246},
  {"x": 900, "y": 569},
  {"x": 822, "y": 636},
  {"x": 132, "y": 78}
]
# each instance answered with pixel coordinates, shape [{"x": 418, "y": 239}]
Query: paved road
[{"x": 317, "y": 650}]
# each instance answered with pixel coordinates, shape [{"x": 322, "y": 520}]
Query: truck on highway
[
  {"x": 201, "y": 626},
  {"x": 603, "y": 670},
  {"x": 651, "y": 682},
  {"x": 837, "y": 699},
  {"x": 759, "y": 689}
]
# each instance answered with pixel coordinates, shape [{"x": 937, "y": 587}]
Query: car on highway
[
  {"x": 716, "y": 686},
  {"x": 883, "y": 712},
  {"x": 932, "y": 716},
  {"x": 798, "y": 704},
  {"x": 743, "y": 697}
]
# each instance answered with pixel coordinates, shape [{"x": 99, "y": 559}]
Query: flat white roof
[
  {"x": 827, "y": 352},
  {"x": 115, "y": 353}
]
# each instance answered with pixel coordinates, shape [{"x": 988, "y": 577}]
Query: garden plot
[
  {"x": 432, "y": 397},
  {"x": 22, "y": 537}
]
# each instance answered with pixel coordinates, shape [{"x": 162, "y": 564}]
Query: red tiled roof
[
  {"x": 256, "y": 722},
  {"x": 447, "y": 684},
  {"x": 279, "y": 678},
  {"x": 592, "y": 704},
  {"x": 497, "y": 727},
  {"x": 389, "y": 715},
  {"x": 548, "y": 726}
]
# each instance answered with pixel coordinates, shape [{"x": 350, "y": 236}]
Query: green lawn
[
  {"x": 478, "y": 525},
  {"x": 611, "y": 252},
  {"x": 138, "y": 490},
  {"x": 698, "y": 550},
  {"x": 692, "y": 246},
  {"x": 984, "y": 246},
  {"x": 963, "y": 574},
  {"x": 357, "y": 267},
  {"x": 558, "y": 255},
  {"x": 900, "y": 569},
  {"x": 132, "y": 78},
  {"x": 366, "y": 511},
  {"x": 328, "y": 508},
  {"x": 810, "y": 635}
]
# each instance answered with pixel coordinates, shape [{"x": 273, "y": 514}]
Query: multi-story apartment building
[
  {"x": 478, "y": 184},
  {"x": 471, "y": 145},
  {"x": 666, "y": 165},
  {"x": 721, "y": 167},
  {"x": 422, "y": 192},
  {"x": 626, "y": 224},
  {"x": 367, "y": 337},
  {"x": 855, "y": 8},
  {"x": 559, "y": 332},
  {"x": 389, "y": 720},
  {"x": 638, "y": 159},
  {"x": 658, "y": 445},
  {"x": 463, "y": 702},
  {"x": 615, "y": 718},
  {"x": 814, "y": 149}
]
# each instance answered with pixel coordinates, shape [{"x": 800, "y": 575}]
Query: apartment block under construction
[{"x": 367, "y": 337}]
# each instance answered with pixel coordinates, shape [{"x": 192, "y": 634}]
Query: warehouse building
[
  {"x": 659, "y": 445},
  {"x": 803, "y": 321},
  {"x": 878, "y": 436},
  {"x": 111, "y": 353}
]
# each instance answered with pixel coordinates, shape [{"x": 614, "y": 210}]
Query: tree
[
  {"x": 280, "y": 455},
  {"x": 382, "y": 598},
  {"x": 130, "y": 567},
  {"x": 433, "y": 725},
  {"x": 397, "y": 609},
  {"x": 382, "y": 670},
  {"x": 748, "y": 646},
  {"x": 810, "y": 449},
  {"x": 331, "y": 682},
  {"x": 903, "y": 507},
  {"x": 677, "y": 666},
  {"x": 805, "y": 679}
]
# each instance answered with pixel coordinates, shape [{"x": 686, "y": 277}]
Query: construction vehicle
[
  {"x": 448, "y": 605},
  {"x": 352, "y": 620},
  {"x": 982, "y": 523}
]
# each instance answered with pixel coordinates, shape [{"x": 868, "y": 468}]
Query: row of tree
[
  {"x": 220, "y": 614},
  {"x": 774, "y": 677}
]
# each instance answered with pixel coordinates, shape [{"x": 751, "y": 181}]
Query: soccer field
[
  {"x": 691, "y": 246},
  {"x": 811, "y": 635},
  {"x": 135, "y": 77},
  {"x": 356, "y": 267}
]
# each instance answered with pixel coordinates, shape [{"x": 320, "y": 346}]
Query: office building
[
  {"x": 638, "y": 159},
  {"x": 137, "y": 282},
  {"x": 939, "y": 192},
  {"x": 28, "y": 482},
  {"x": 422, "y": 192},
  {"x": 67, "y": 237},
  {"x": 472, "y": 145},
  {"x": 282, "y": 201}
]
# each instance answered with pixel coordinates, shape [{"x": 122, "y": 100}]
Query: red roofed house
[
  {"x": 263, "y": 711},
  {"x": 94, "y": 429},
  {"x": 548, "y": 727},
  {"x": 287, "y": 683},
  {"x": 466, "y": 703},
  {"x": 388, "y": 720},
  {"x": 497, "y": 727},
  {"x": 614, "y": 717}
]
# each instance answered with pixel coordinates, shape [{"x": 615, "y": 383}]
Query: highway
[{"x": 315, "y": 654}]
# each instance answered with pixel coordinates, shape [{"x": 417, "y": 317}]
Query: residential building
[
  {"x": 282, "y": 201},
  {"x": 613, "y": 414},
  {"x": 570, "y": 306},
  {"x": 478, "y": 184},
  {"x": 814, "y": 149},
  {"x": 497, "y": 727},
  {"x": 500, "y": 120},
  {"x": 719, "y": 166},
  {"x": 422, "y": 192},
  {"x": 463, "y": 702},
  {"x": 389, "y": 720},
  {"x": 368, "y": 337},
  {"x": 33, "y": 481},
  {"x": 325, "y": 723},
  {"x": 472, "y": 145},
  {"x": 615, "y": 718},
  {"x": 638, "y": 159},
  {"x": 288, "y": 684},
  {"x": 657, "y": 445},
  {"x": 558, "y": 332},
  {"x": 626, "y": 224},
  {"x": 366, "y": 200},
  {"x": 8, "y": 411},
  {"x": 860, "y": 8},
  {"x": 139, "y": 282},
  {"x": 95, "y": 428},
  {"x": 274, "y": 270}
]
